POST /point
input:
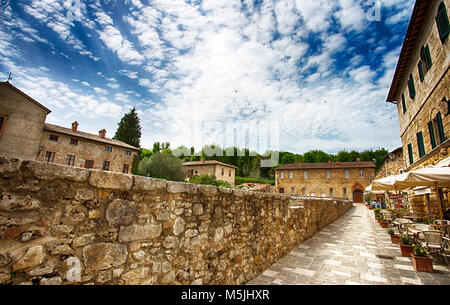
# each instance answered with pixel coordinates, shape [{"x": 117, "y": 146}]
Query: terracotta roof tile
[
  {"x": 207, "y": 162},
  {"x": 331, "y": 165},
  {"x": 85, "y": 135}
]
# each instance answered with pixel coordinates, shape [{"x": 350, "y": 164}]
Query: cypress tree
[{"x": 129, "y": 130}]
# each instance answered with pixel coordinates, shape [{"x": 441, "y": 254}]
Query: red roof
[{"x": 331, "y": 165}]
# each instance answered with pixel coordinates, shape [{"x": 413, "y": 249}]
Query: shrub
[
  {"x": 209, "y": 180},
  {"x": 162, "y": 166},
  {"x": 406, "y": 240},
  {"x": 391, "y": 232}
]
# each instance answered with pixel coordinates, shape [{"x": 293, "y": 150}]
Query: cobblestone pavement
[{"x": 351, "y": 251}]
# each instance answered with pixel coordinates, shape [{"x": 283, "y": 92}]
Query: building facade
[
  {"x": 421, "y": 91},
  {"x": 331, "y": 179},
  {"x": 25, "y": 135},
  {"x": 21, "y": 122},
  {"x": 393, "y": 164},
  {"x": 70, "y": 146},
  {"x": 222, "y": 171},
  {"x": 421, "y": 87}
]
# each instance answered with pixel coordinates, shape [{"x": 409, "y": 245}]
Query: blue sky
[{"x": 292, "y": 75}]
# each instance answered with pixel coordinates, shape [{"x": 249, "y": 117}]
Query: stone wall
[{"x": 70, "y": 225}]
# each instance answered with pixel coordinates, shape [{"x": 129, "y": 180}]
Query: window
[
  {"x": 106, "y": 165},
  {"x": 74, "y": 141},
  {"x": 281, "y": 175},
  {"x": 347, "y": 175},
  {"x": 345, "y": 191},
  {"x": 425, "y": 55},
  {"x": 442, "y": 22},
  {"x": 125, "y": 169},
  {"x": 89, "y": 163},
  {"x": 49, "y": 156},
  {"x": 292, "y": 190},
  {"x": 229, "y": 173},
  {"x": 403, "y": 103},
  {"x": 304, "y": 191},
  {"x": 70, "y": 159},
  {"x": 431, "y": 131},
  {"x": 331, "y": 191},
  {"x": 128, "y": 153},
  {"x": 281, "y": 190},
  {"x": 421, "y": 72},
  {"x": 291, "y": 175},
  {"x": 328, "y": 174},
  {"x": 361, "y": 173},
  {"x": 410, "y": 154},
  {"x": 411, "y": 87},
  {"x": 305, "y": 174},
  {"x": 108, "y": 148},
  {"x": 420, "y": 145},
  {"x": 53, "y": 137},
  {"x": 2, "y": 124},
  {"x": 437, "y": 123},
  {"x": 223, "y": 171}
]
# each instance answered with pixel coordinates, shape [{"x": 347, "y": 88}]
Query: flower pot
[
  {"x": 384, "y": 224},
  {"x": 421, "y": 263},
  {"x": 395, "y": 238},
  {"x": 407, "y": 250},
  {"x": 370, "y": 207}
]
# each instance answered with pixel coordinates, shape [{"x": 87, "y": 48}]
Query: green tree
[
  {"x": 129, "y": 130},
  {"x": 164, "y": 166}
]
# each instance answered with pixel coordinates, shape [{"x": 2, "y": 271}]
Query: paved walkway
[{"x": 353, "y": 250}]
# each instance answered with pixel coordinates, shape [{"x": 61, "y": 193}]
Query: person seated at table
[
  {"x": 374, "y": 203},
  {"x": 383, "y": 205}
]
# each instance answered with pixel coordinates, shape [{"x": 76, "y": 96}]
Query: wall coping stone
[{"x": 51, "y": 171}]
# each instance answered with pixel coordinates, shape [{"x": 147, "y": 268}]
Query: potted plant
[
  {"x": 383, "y": 223},
  {"x": 406, "y": 246},
  {"x": 395, "y": 238},
  {"x": 377, "y": 212},
  {"x": 421, "y": 261}
]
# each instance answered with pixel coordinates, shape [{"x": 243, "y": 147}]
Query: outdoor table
[
  {"x": 414, "y": 217},
  {"x": 399, "y": 221},
  {"x": 415, "y": 229}
]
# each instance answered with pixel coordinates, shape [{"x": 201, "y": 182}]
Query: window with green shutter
[
  {"x": 427, "y": 57},
  {"x": 411, "y": 87},
  {"x": 403, "y": 103},
  {"x": 420, "y": 145},
  {"x": 431, "y": 131},
  {"x": 421, "y": 73},
  {"x": 410, "y": 154},
  {"x": 440, "y": 127},
  {"x": 442, "y": 22}
]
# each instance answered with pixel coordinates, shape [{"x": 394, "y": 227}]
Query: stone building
[
  {"x": 222, "y": 171},
  {"x": 392, "y": 165},
  {"x": 421, "y": 88},
  {"x": 24, "y": 134},
  {"x": 70, "y": 146},
  {"x": 21, "y": 122},
  {"x": 331, "y": 179}
]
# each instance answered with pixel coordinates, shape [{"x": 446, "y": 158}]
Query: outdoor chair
[{"x": 434, "y": 242}]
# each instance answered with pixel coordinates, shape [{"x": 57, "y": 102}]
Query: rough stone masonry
[{"x": 68, "y": 225}]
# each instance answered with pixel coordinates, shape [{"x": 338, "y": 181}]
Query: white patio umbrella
[{"x": 428, "y": 176}]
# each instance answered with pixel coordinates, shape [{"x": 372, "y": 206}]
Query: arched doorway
[{"x": 358, "y": 194}]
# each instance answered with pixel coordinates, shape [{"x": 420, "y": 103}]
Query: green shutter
[
  {"x": 431, "y": 131},
  {"x": 440, "y": 127},
  {"x": 428, "y": 57},
  {"x": 403, "y": 103},
  {"x": 442, "y": 22},
  {"x": 421, "y": 74},
  {"x": 410, "y": 153},
  {"x": 411, "y": 87},
  {"x": 420, "y": 145}
]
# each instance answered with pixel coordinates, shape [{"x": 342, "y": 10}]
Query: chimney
[
  {"x": 358, "y": 160},
  {"x": 300, "y": 163},
  {"x": 75, "y": 126},
  {"x": 202, "y": 160},
  {"x": 329, "y": 161},
  {"x": 102, "y": 133}
]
